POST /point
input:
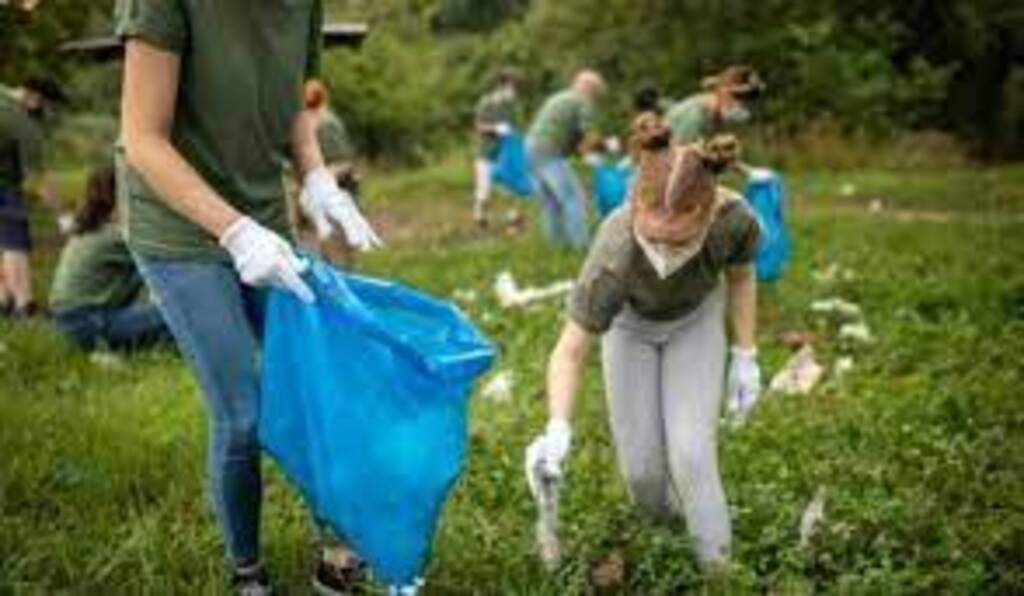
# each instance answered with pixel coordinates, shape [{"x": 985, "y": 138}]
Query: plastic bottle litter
[
  {"x": 545, "y": 486},
  {"x": 812, "y": 517},
  {"x": 837, "y": 306},
  {"x": 499, "y": 387},
  {"x": 800, "y": 374},
  {"x": 511, "y": 295},
  {"x": 857, "y": 332}
]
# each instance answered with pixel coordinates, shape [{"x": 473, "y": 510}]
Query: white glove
[
  {"x": 744, "y": 386},
  {"x": 262, "y": 258},
  {"x": 503, "y": 129},
  {"x": 593, "y": 159},
  {"x": 548, "y": 451},
  {"x": 329, "y": 206},
  {"x": 66, "y": 223}
]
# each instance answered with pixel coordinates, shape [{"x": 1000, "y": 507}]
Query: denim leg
[
  {"x": 208, "y": 312},
  {"x": 551, "y": 209},
  {"x": 135, "y": 327},
  {"x": 562, "y": 198},
  {"x": 82, "y": 326}
]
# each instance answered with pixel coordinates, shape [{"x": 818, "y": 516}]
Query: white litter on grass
[
  {"x": 511, "y": 295},
  {"x": 844, "y": 364},
  {"x": 465, "y": 295},
  {"x": 857, "y": 332},
  {"x": 499, "y": 388},
  {"x": 876, "y": 206},
  {"x": 847, "y": 190},
  {"x": 106, "y": 359},
  {"x": 812, "y": 517},
  {"x": 837, "y": 306},
  {"x": 833, "y": 273},
  {"x": 800, "y": 374}
]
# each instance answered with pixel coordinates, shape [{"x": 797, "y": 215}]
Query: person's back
[
  {"x": 561, "y": 124},
  {"x": 95, "y": 270}
]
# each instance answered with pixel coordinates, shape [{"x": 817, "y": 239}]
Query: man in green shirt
[
  {"x": 564, "y": 125},
  {"x": 22, "y": 167},
  {"x": 494, "y": 117},
  {"x": 724, "y": 103}
]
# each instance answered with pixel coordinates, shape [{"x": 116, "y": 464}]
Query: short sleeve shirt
[
  {"x": 690, "y": 120},
  {"x": 560, "y": 125},
  {"x": 493, "y": 108},
  {"x": 617, "y": 272},
  {"x": 21, "y": 144},
  {"x": 95, "y": 270},
  {"x": 335, "y": 142},
  {"x": 243, "y": 66}
]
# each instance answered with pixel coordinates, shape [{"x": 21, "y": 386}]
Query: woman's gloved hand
[
  {"x": 503, "y": 129},
  {"x": 262, "y": 258},
  {"x": 744, "y": 385},
  {"x": 328, "y": 206},
  {"x": 547, "y": 452}
]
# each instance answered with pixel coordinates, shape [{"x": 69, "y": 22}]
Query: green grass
[{"x": 920, "y": 449}]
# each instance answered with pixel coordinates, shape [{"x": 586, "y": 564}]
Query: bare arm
[
  {"x": 147, "y": 114},
  {"x": 743, "y": 305},
  {"x": 306, "y": 154},
  {"x": 565, "y": 370}
]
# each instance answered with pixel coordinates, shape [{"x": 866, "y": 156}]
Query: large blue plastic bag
[
  {"x": 611, "y": 185},
  {"x": 767, "y": 197},
  {"x": 364, "y": 409},
  {"x": 511, "y": 169}
]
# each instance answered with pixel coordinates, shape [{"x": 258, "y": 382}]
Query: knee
[{"x": 650, "y": 494}]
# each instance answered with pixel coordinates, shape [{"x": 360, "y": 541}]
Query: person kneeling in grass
[
  {"x": 96, "y": 289},
  {"x": 664, "y": 271}
]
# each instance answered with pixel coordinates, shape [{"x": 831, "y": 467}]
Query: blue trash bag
[
  {"x": 611, "y": 185},
  {"x": 364, "y": 409},
  {"x": 511, "y": 168},
  {"x": 767, "y": 198}
]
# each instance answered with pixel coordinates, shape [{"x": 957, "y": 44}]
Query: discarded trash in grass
[
  {"x": 499, "y": 387},
  {"x": 511, "y": 295},
  {"x": 847, "y": 190},
  {"x": 876, "y": 206},
  {"x": 800, "y": 374},
  {"x": 856, "y": 332},
  {"x": 609, "y": 575},
  {"x": 812, "y": 517},
  {"x": 106, "y": 359},
  {"x": 833, "y": 273},
  {"x": 843, "y": 365},
  {"x": 837, "y": 306},
  {"x": 465, "y": 295},
  {"x": 545, "y": 485}
]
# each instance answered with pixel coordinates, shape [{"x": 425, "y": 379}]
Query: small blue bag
[
  {"x": 511, "y": 168},
  {"x": 364, "y": 409},
  {"x": 767, "y": 198},
  {"x": 611, "y": 185}
]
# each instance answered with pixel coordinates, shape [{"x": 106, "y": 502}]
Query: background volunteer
[
  {"x": 211, "y": 109},
  {"x": 652, "y": 287},
  {"x": 96, "y": 288},
  {"x": 22, "y": 166},
  {"x": 494, "y": 117},
  {"x": 724, "y": 102},
  {"x": 565, "y": 124}
]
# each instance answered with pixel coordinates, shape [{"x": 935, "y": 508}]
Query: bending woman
[
  {"x": 653, "y": 288},
  {"x": 211, "y": 109}
]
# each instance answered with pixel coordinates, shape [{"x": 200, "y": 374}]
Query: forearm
[
  {"x": 565, "y": 372},
  {"x": 306, "y": 154},
  {"x": 742, "y": 288}
]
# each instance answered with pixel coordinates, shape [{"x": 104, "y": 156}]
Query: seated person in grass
[
  {"x": 96, "y": 290},
  {"x": 665, "y": 272},
  {"x": 724, "y": 102}
]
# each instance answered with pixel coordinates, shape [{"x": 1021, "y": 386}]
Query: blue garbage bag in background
[
  {"x": 511, "y": 168},
  {"x": 767, "y": 198},
  {"x": 364, "y": 409},
  {"x": 611, "y": 185}
]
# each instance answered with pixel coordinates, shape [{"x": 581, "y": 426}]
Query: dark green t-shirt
[
  {"x": 243, "y": 65},
  {"x": 691, "y": 120},
  {"x": 335, "y": 142},
  {"x": 21, "y": 144},
  {"x": 617, "y": 272},
  {"x": 95, "y": 269},
  {"x": 561, "y": 124}
]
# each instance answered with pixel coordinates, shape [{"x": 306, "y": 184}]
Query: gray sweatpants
[{"x": 665, "y": 383}]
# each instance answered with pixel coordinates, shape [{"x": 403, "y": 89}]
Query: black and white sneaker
[
  {"x": 335, "y": 580},
  {"x": 251, "y": 581}
]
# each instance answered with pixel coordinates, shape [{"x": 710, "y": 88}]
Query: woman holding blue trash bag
[
  {"x": 211, "y": 108},
  {"x": 494, "y": 117},
  {"x": 663, "y": 274}
]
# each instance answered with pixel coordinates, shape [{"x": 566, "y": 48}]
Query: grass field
[{"x": 919, "y": 450}]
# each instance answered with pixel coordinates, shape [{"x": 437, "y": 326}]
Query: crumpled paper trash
[
  {"x": 837, "y": 306},
  {"x": 857, "y": 332},
  {"x": 500, "y": 387},
  {"x": 812, "y": 517},
  {"x": 800, "y": 374},
  {"x": 511, "y": 295}
]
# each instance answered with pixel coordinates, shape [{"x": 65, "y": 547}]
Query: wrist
[
  {"x": 558, "y": 426},
  {"x": 746, "y": 352},
  {"x": 319, "y": 181},
  {"x": 233, "y": 230}
]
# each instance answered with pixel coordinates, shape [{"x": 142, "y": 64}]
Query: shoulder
[{"x": 613, "y": 245}]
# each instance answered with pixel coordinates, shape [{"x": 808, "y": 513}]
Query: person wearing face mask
[
  {"x": 663, "y": 275},
  {"x": 494, "y": 117},
  {"x": 724, "y": 103},
  {"x": 22, "y": 168}
]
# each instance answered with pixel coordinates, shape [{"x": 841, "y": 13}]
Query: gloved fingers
[
  {"x": 322, "y": 224},
  {"x": 289, "y": 280}
]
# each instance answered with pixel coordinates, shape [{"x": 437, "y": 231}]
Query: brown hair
[{"x": 100, "y": 201}]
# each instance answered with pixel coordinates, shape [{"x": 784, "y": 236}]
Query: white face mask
[
  {"x": 737, "y": 114},
  {"x": 665, "y": 259}
]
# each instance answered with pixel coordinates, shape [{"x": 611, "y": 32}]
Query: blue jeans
[
  {"x": 562, "y": 200},
  {"x": 131, "y": 327},
  {"x": 217, "y": 323}
]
